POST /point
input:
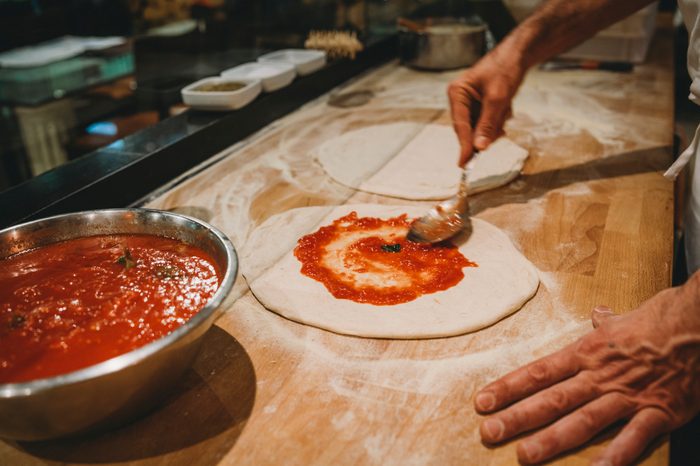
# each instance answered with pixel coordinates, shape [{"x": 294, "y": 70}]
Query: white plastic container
[
  {"x": 272, "y": 75},
  {"x": 305, "y": 61},
  {"x": 638, "y": 23},
  {"x": 612, "y": 48},
  {"x": 221, "y": 100},
  {"x": 627, "y": 40}
]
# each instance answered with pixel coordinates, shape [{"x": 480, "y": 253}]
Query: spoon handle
[{"x": 464, "y": 180}]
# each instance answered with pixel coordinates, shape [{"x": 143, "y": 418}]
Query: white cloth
[
  {"x": 692, "y": 215},
  {"x": 692, "y": 212},
  {"x": 691, "y": 17}
]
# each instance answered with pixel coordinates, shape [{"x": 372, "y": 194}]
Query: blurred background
[{"x": 77, "y": 75}]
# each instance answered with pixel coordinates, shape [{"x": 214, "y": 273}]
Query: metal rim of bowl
[{"x": 10, "y": 390}]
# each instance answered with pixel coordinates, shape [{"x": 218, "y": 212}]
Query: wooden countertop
[{"x": 591, "y": 211}]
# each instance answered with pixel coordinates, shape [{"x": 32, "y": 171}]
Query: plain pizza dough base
[
  {"x": 499, "y": 286},
  {"x": 416, "y": 162}
]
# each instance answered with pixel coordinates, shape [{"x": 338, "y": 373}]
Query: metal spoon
[{"x": 446, "y": 219}]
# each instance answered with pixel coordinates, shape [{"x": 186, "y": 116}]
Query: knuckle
[
  {"x": 514, "y": 420},
  {"x": 547, "y": 443},
  {"x": 661, "y": 421},
  {"x": 587, "y": 345},
  {"x": 487, "y": 128},
  {"x": 539, "y": 371},
  {"x": 558, "y": 400},
  {"x": 498, "y": 94},
  {"x": 617, "y": 399},
  {"x": 500, "y": 391},
  {"x": 497, "y": 100},
  {"x": 588, "y": 420},
  {"x": 455, "y": 89},
  {"x": 463, "y": 89}
]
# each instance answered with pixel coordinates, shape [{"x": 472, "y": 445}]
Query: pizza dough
[
  {"x": 503, "y": 281},
  {"x": 402, "y": 160}
]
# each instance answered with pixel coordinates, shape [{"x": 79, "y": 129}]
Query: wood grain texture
[{"x": 591, "y": 211}]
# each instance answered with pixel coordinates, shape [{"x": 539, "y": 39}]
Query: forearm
[
  {"x": 493, "y": 81},
  {"x": 558, "y": 25}
]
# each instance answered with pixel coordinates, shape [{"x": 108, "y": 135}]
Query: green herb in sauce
[
  {"x": 126, "y": 260},
  {"x": 391, "y": 247},
  {"x": 16, "y": 321}
]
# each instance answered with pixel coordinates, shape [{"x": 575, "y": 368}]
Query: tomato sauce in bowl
[{"x": 76, "y": 303}]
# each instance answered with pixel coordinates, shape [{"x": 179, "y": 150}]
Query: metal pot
[
  {"x": 118, "y": 389},
  {"x": 441, "y": 43}
]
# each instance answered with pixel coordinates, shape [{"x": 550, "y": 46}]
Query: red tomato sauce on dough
[
  {"x": 402, "y": 270},
  {"x": 73, "y": 304}
]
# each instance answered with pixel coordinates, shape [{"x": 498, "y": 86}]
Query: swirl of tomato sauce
[{"x": 369, "y": 260}]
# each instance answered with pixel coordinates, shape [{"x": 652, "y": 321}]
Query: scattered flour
[
  {"x": 341, "y": 422},
  {"x": 558, "y": 108},
  {"x": 376, "y": 447},
  {"x": 270, "y": 409},
  {"x": 429, "y": 376}
]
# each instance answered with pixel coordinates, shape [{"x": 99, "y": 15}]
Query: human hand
[
  {"x": 483, "y": 95},
  {"x": 642, "y": 367}
]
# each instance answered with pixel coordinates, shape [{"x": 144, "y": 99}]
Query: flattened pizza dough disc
[
  {"x": 401, "y": 160},
  {"x": 499, "y": 286}
]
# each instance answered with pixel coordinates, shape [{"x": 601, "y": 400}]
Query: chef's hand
[
  {"x": 641, "y": 367},
  {"x": 482, "y": 96}
]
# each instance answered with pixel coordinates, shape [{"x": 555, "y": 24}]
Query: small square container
[
  {"x": 221, "y": 100},
  {"x": 305, "y": 61},
  {"x": 273, "y": 75}
]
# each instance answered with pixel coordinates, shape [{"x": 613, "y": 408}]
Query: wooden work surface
[{"x": 591, "y": 211}]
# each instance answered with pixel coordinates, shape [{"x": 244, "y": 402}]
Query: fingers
[
  {"x": 460, "y": 104},
  {"x": 600, "y": 314},
  {"x": 574, "y": 429},
  {"x": 631, "y": 442},
  {"x": 495, "y": 110},
  {"x": 489, "y": 113},
  {"x": 491, "y": 121},
  {"x": 540, "y": 409},
  {"x": 527, "y": 380}
]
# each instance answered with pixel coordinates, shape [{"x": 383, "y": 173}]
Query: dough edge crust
[{"x": 282, "y": 289}]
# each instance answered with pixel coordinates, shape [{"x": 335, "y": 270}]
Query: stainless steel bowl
[
  {"x": 116, "y": 390},
  {"x": 441, "y": 43}
]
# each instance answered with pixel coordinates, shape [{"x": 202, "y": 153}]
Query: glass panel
[{"x": 79, "y": 75}]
